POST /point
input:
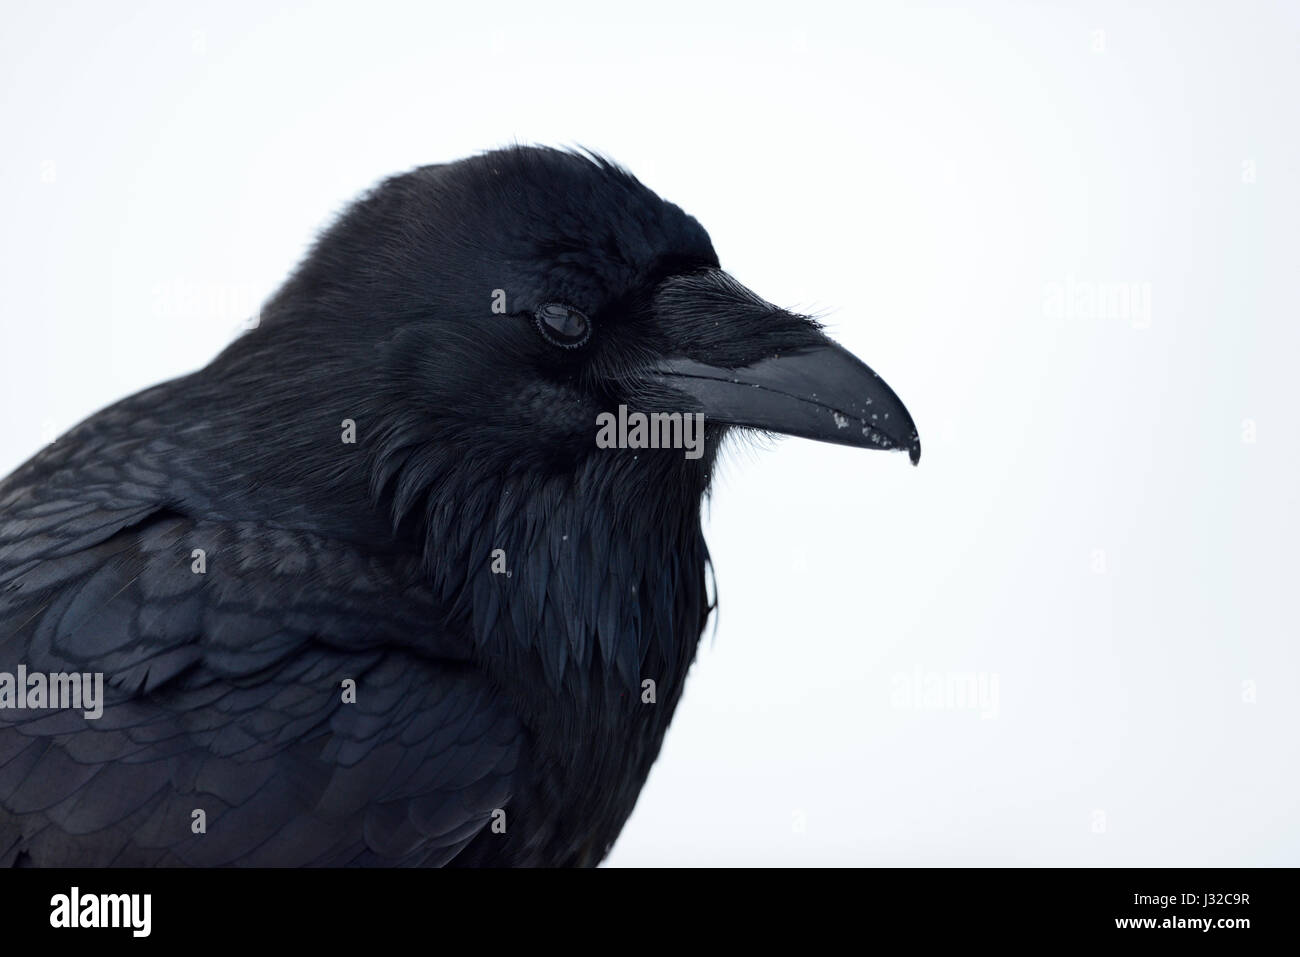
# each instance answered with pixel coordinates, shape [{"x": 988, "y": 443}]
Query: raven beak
[
  {"x": 810, "y": 386},
  {"x": 822, "y": 392}
]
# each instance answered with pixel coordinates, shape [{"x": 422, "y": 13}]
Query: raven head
[
  {"x": 474, "y": 323},
  {"x": 510, "y": 300}
]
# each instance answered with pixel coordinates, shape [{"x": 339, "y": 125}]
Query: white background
[{"x": 1105, "y": 516}]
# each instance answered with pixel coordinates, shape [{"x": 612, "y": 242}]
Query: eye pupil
[{"x": 563, "y": 325}]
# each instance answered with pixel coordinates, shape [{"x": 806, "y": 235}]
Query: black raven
[{"x": 412, "y": 573}]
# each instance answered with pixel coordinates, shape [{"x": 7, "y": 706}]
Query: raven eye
[{"x": 563, "y": 325}]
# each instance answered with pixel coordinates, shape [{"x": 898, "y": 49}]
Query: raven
[{"x": 366, "y": 590}]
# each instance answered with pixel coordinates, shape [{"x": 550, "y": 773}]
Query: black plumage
[{"x": 498, "y": 586}]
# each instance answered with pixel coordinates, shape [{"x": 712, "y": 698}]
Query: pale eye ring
[{"x": 562, "y": 325}]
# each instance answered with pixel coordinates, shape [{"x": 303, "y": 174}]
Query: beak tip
[{"x": 914, "y": 452}]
